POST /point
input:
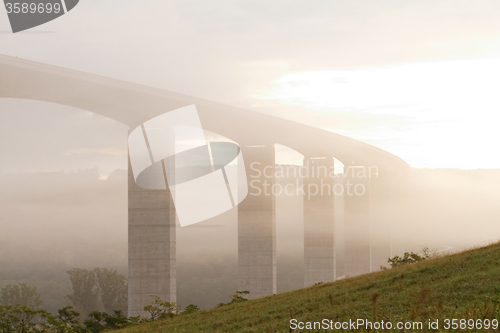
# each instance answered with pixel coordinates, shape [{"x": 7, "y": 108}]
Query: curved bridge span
[{"x": 152, "y": 214}]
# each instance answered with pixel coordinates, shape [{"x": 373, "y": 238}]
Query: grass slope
[{"x": 463, "y": 285}]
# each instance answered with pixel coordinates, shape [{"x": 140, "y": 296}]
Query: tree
[
  {"x": 98, "y": 289},
  {"x": 23, "y": 319},
  {"x": 112, "y": 289},
  {"x": 69, "y": 316},
  {"x": 85, "y": 290},
  {"x": 20, "y": 294}
]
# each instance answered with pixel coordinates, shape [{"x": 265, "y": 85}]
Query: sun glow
[{"x": 437, "y": 114}]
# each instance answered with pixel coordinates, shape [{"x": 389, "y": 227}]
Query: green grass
[{"x": 462, "y": 286}]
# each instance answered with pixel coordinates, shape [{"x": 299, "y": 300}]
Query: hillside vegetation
[{"x": 459, "y": 286}]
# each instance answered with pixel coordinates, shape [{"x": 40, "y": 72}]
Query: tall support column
[
  {"x": 357, "y": 220},
  {"x": 257, "y": 224},
  {"x": 339, "y": 240},
  {"x": 151, "y": 247},
  {"x": 381, "y": 217},
  {"x": 318, "y": 221},
  {"x": 401, "y": 205}
]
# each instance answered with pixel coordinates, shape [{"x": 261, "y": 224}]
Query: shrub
[{"x": 160, "y": 309}]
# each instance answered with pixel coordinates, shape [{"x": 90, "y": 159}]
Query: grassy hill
[{"x": 461, "y": 286}]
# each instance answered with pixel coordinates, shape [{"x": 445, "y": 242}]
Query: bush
[
  {"x": 190, "y": 309},
  {"x": 238, "y": 297},
  {"x": 408, "y": 258},
  {"x": 100, "y": 321},
  {"x": 160, "y": 309}
]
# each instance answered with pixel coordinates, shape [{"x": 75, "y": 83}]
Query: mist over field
[{"x": 54, "y": 221}]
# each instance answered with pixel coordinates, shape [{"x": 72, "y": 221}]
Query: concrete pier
[
  {"x": 151, "y": 247},
  {"x": 357, "y": 220},
  {"x": 318, "y": 221},
  {"x": 257, "y": 224},
  {"x": 381, "y": 218},
  {"x": 338, "y": 232}
]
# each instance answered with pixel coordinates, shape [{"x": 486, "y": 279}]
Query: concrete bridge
[{"x": 151, "y": 218}]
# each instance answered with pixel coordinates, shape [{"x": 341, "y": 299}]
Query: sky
[{"x": 418, "y": 79}]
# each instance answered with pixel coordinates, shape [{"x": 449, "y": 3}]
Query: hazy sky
[{"x": 417, "y": 78}]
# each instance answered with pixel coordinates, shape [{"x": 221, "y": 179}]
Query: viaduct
[{"x": 151, "y": 214}]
